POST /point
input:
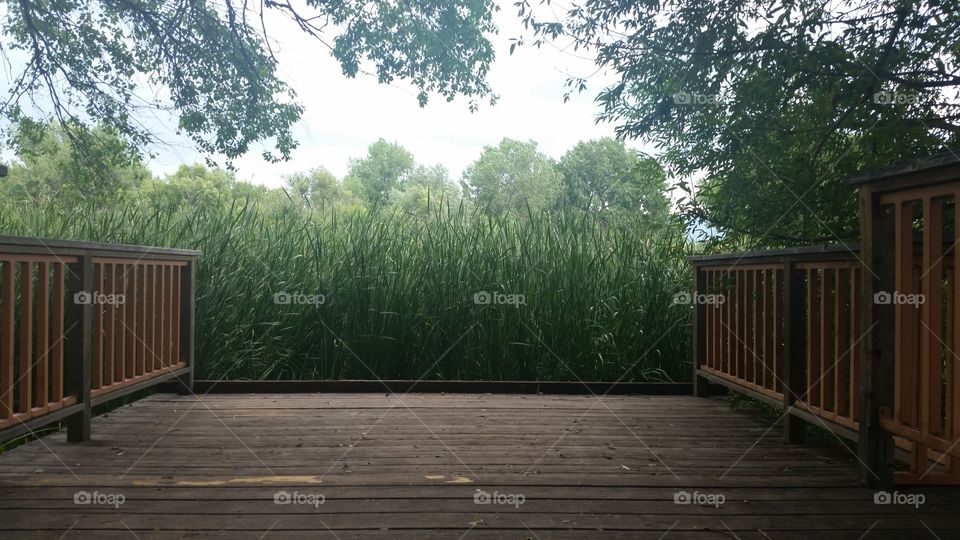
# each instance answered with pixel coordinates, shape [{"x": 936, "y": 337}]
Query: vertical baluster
[
  {"x": 56, "y": 351},
  {"x": 151, "y": 314},
  {"x": 813, "y": 337},
  {"x": 753, "y": 327},
  {"x": 110, "y": 316},
  {"x": 142, "y": 364},
  {"x": 730, "y": 288},
  {"x": 855, "y": 341},
  {"x": 43, "y": 332},
  {"x": 26, "y": 337},
  {"x": 130, "y": 305},
  {"x": 776, "y": 279},
  {"x": 825, "y": 341},
  {"x": 793, "y": 354},
  {"x": 840, "y": 349},
  {"x": 931, "y": 286},
  {"x": 764, "y": 329},
  {"x": 953, "y": 379},
  {"x": 120, "y": 361},
  {"x": 97, "y": 379},
  {"x": 9, "y": 300},
  {"x": 162, "y": 332}
]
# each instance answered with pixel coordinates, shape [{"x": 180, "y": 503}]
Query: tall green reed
[{"x": 399, "y": 290}]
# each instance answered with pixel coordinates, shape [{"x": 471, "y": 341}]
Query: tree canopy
[
  {"x": 512, "y": 177},
  {"x": 606, "y": 177},
  {"x": 775, "y": 102},
  {"x": 106, "y": 62},
  {"x": 48, "y": 168},
  {"x": 384, "y": 169}
]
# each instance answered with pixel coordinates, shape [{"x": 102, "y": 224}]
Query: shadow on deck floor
[{"x": 446, "y": 466}]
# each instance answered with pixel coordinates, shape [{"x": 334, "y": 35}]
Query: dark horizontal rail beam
[
  {"x": 823, "y": 252},
  {"x": 453, "y": 387},
  {"x": 31, "y": 245}
]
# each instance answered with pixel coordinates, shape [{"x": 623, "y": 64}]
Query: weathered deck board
[{"x": 392, "y": 466}]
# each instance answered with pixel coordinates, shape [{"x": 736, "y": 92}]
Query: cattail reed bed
[{"x": 288, "y": 293}]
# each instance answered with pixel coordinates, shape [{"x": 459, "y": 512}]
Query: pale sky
[{"x": 342, "y": 117}]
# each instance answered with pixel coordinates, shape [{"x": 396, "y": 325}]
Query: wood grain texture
[{"x": 409, "y": 466}]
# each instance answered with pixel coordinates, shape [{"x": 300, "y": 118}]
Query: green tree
[
  {"x": 197, "y": 186},
  {"x": 317, "y": 188},
  {"x": 512, "y": 177},
  {"x": 425, "y": 188},
  {"x": 216, "y": 63},
  {"x": 384, "y": 169},
  {"x": 51, "y": 167},
  {"x": 775, "y": 102},
  {"x": 606, "y": 177}
]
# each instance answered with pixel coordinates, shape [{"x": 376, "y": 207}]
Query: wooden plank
[
  {"x": 97, "y": 379},
  {"x": 954, "y": 371},
  {"x": 26, "y": 337},
  {"x": 130, "y": 306},
  {"x": 7, "y": 310},
  {"x": 79, "y": 352},
  {"x": 826, "y": 330},
  {"x": 700, "y": 324},
  {"x": 778, "y": 329},
  {"x": 43, "y": 246},
  {"x": 150, "y": 310},
  {"x": 56, "y": 351},
  {"x": 765, "y": 328},
  {"x": 841, "y": 344},
  {"x": 175, "y": 313},
  {"x": 856, "y": 339},
  {"x": 877, "y": 322},
  {"x": 794, "y": 389},
  {"x": 43, "y": 333},
  {"x": 120, "y": 331},
  {"x": 197, "y": 479},
  {"x": 906, "y": 393},
  {"x": 736, "y": 334},
  {"x": 161, "y": 335},
  {"x": 711, "y": 320},
  {"x": 142, "y": 362},
  {"x": 730, "y": 290},
  {"x": 931, "y": 286},
  {"x": 109, "y": 327},
  {"x": 754, "y": 314},
  {"x": 814, "y": 342}
]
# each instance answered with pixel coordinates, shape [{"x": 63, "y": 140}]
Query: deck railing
[
  {"x": 862, "y": 342},
  {"x": 82, "y": 323}
]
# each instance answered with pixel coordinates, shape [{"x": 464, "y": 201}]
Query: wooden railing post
[
  {"x": 79, "y": 351},
  {"x": 877, "y": 327},
  {"x": 794, "y": 350},
  {"x": 699, "y": 331},
  {"x": 188, "y": 288}
]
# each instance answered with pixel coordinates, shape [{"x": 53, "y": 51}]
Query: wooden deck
[{"x": 392, "y": 466}]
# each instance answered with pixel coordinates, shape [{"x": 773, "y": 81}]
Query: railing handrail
[
  {"x": 109, "y": 320},
  {"x": 55, "y": 246},
  {"x": 947, "y": 158},
  {"x": 862, "y": 334},
  {"x": 815, "y": 252}
]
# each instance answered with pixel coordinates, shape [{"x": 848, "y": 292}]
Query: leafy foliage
[
  {"x": 384, "y": 169},
  {"x": 512, "y": 177},
  {"x": 604, "y": 177},
  {"x": 775, "y": 102},
  {"x": 53, "y": 168},
  {"x": 425, "y": 189},
  {"x": 318, "y": 188},
  {"x": 211, "y": 64}
]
